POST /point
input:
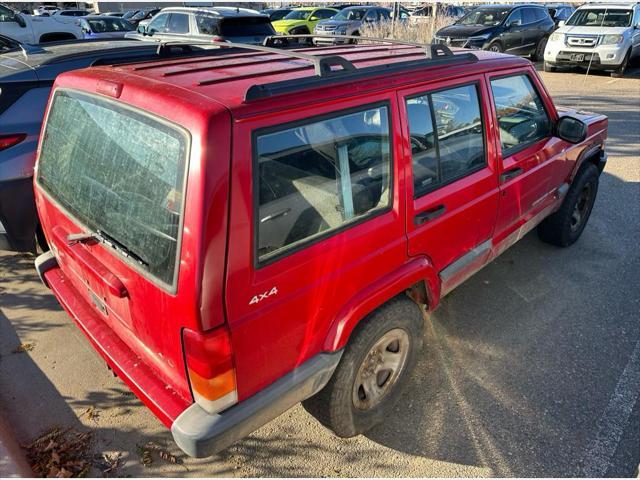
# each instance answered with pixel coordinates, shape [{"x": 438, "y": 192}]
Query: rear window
[
  {"x": 119, "y": 172},
  {"x": 246, "y": 27}
]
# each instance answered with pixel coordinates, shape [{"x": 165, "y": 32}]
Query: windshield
[
  {"x": 129, "y": 14},
  {"x": 120, "y": 173},
  {"x": 102, "y": 25},
  {"x": 487, "y": 17},
  {"x": 246, "y": 27},
  {"x": 601, "y": 17},
  {"x": 140, "y": 15},
  {"x": 351, "y": 14},
  {"x": 298, "y": 15}
]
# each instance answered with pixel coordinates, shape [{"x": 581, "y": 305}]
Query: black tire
[
  {"x": 538, "y": 53},
  {"x": 564, "y": 227},
  {"x": 548, "y": 67},
  {"x": 495, "y": 47},
  {"x": 335, "y": 405},
  {"x": 620, "y": 71}
]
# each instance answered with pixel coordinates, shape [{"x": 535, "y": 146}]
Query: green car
[{"x": 302, "y": 21}]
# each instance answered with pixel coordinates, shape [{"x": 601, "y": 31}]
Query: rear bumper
[
  {"x": 602, "y": 160},
  {"x": 200, "y": 434},
  {"x": 161, "y": 399}
]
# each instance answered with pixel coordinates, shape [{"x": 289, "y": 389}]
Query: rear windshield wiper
[{"x": 122, "y": 248}]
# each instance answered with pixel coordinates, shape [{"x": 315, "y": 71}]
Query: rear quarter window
[{"x": 119, "y": 172}]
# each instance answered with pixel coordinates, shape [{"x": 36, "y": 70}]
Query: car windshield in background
[
  {"x": 140, "y": 15},
  {"x": 298, "y": 15},
  {"x": 129, "y": 14},
  {"x": 246, "y": 27},
  {"x": 601, "y": 17},
  {"x": 487, "y": 17},
  {"x": 102, "y": 25},
  {"x": 118, "y": 172},
  {"x": 351, "y": 14},
  {"x": 279, "y": 15}
]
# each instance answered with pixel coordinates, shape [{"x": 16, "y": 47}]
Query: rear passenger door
[
  {"x": 452, "y": 188},
  {"x": 316, "y": 219}
]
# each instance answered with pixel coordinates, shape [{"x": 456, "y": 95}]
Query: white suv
[{"x": 605, "y": 37}]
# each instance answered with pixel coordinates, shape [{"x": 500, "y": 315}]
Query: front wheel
[
  {"x": 564, "y": 227},
  {"x": 373, "y": 371},
  {"x": 495, "y": 47},
  {"x": 619, "y": 72}
]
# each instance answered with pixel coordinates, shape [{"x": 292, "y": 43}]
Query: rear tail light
[
  {"x": 212, "y": 375},
  {"x": 218, "y": 38},
  {"x": 7, "y": 141}
]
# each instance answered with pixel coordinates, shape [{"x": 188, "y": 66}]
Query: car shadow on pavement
[
  {"x": 521, "y": 361},
  {"x": 25, "y": 290}
]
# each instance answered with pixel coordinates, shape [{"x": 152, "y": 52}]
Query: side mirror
[
  {"x": 142, "y": 29},
  {"x": 516, "y": 22},
  {"x": 571, "y": 129},
  {"x": 314, "y": 19},
  {"x": 19, "y": 20},
  {"x": 561, "y": 23}
]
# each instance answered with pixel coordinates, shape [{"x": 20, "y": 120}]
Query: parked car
[
  {"x": 276, "y": 13},
  {"x": 237, "y": 235},
  {"x": 303, "y": 20},
  {"x": 26, "y": 78},
  {"x": 560, "y": 12},
  {"x": 349, "y": 21},
  {"x": 71, "y": 13},
  {"x": 605, "y": 37},
  {"x": 36, "y": 29},
  {"x": 426, "y": 12},
  {"x": 516, "y": 29},
  {"x": 240, "y": 25},
  {"x": 45, "y": 10},
  {"x": 98, "y": 26}
]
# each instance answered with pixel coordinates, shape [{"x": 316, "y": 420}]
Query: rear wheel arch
[{"x": 416, "y": 279}]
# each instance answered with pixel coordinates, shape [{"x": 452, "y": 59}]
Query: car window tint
[
  {"x": 515, "y": 16},
  {"x": 455, "y": 147},
  {"x": 325, "y": 14},
  {"x": 207, "y": 25},
  {"x": 6, "y": 15},
  {"x": 384, "y": 15},
  {"x": 178, "y": 23},
  {"x": 528, "y": 15},
  {"x": 522, "y": 118},
  {"x": 321, "y": 175},
  {"x": 371, "y": 15},
  {"x": 118, "y": 172},
  {"x": 159, "y": 23}
]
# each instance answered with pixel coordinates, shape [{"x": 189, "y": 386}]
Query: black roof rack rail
[{"x": 430, "y": 49}]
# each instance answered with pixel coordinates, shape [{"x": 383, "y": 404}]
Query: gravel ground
[{"x": 532, "y": 368}]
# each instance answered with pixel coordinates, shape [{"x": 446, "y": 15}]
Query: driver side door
[
  {"x": 452, "y": 187},
  {"x": 512, "y": 37}
]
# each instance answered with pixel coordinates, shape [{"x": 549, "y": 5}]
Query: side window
[
  {"x": 383, "y": 15},
  {"x": 541, "y": 14},
  {"x": 158, "y": 24},
  {"x": 6, "y": 15},
  {"x": 455, "y": 147},
  {"x": 207, "y": 25},
  {"x": 515, "y": 17},
  {"x": 326, "y": 13},
  {"x": 178, "y": 23},
  {"x": 522, "y": 118},
  {"x": 528, "y": 16},
  {"x": 319, "y": 176},
  {"x": 371, "y": 16}
]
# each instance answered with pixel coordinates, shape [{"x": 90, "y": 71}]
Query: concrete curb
[{"x": 12, "y": 461}]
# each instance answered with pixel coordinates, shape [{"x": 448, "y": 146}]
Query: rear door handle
[
  {"x": 428, "y": 215},
  {"x": 511, "y": 173}
]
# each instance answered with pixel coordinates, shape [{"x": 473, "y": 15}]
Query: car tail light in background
[
  {"x": 212, "y": 375},
  {"x": 7, "y": 141},
  {"x": 217, "y": 38}
]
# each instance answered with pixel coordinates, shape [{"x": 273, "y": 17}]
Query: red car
[{"x": 238, "y": 233}]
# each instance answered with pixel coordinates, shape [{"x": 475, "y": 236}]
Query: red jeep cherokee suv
[{"x": 239, "y": 232}]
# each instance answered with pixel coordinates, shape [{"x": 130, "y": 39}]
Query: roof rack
[{"x": 325, "y": 73}]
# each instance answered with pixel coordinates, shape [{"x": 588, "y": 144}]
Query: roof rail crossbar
[
  {"x": 262, "y": 91},
  {"x": 431, "y": 50},
  {"x": 322, "y": 64}
]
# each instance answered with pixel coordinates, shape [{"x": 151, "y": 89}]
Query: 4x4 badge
[{"x": 261, "y": 296}]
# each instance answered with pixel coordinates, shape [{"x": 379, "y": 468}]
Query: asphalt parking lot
[{"x": 531, "y": 368}]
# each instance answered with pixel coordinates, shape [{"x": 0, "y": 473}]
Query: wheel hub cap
[{"x": 380, "y": 369}]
